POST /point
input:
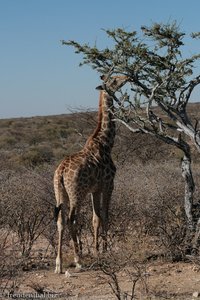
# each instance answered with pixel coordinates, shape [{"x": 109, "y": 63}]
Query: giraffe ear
[
  {"x": 100, "y": 87},
  {"x": 103, "y": 77}
]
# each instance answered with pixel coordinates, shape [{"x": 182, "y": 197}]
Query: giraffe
[{"x": 89, "y": 171}]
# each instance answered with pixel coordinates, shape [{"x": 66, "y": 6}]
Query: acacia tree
[{"x": 160, "y": 83}]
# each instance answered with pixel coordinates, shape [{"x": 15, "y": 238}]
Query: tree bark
[{"x": 189, "y": 189}]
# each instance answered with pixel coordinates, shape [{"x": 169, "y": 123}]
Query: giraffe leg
[
  {"x": 104, "y": 224},
  {"x": 73, "y": 234},
  {"x": 60, "y": 226},
  {"x": 105, "y": 211},
  {"x": 96, "y": 201}
]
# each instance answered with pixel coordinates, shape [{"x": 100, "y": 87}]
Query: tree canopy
[{"x": 160, "y": 76}]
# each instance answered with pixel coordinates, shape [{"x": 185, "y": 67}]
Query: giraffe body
[{"x": 90, "y": 170}]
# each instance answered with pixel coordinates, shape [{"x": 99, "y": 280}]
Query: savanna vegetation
[{"x": 149, "y": 218}]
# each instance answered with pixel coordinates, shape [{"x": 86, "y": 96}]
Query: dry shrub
[
  {"x": 26, "y": 217},
  {"x": 136, "y": 277},
  {"x": 148, "y": 206},
  {"x": 26, "y": 204},
  {"x": 10, "y": 263}
]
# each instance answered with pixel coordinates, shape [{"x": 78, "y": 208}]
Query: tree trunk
[{"x": 189, "y": 189}]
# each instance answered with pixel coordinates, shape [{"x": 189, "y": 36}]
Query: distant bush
[
  {"x": 7, "y": 142},
  {"x": 35, "y": 139},
  {"x": 37, "y": 155}
]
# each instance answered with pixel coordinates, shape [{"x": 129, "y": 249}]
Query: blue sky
[{"x": 39, "y": 76}]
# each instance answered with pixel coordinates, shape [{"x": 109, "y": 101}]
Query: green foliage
[
  {"x": 195, "y": 35},
  {"x": 151, "y": 60},
  {"x": 159, "y": 76}
]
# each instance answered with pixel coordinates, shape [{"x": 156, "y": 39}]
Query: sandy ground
[{"x": 160, "y": 281}]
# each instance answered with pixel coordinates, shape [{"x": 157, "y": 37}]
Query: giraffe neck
[{"x": 105, "y": 130}]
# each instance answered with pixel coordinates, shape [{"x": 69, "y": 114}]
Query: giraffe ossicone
[{"x": 91, "y": 170}]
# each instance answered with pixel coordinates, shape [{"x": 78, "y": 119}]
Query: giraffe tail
[{"x": 60, "y": 194}]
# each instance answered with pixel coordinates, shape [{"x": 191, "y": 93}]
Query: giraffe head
[{"x": 112, "y": 83}]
